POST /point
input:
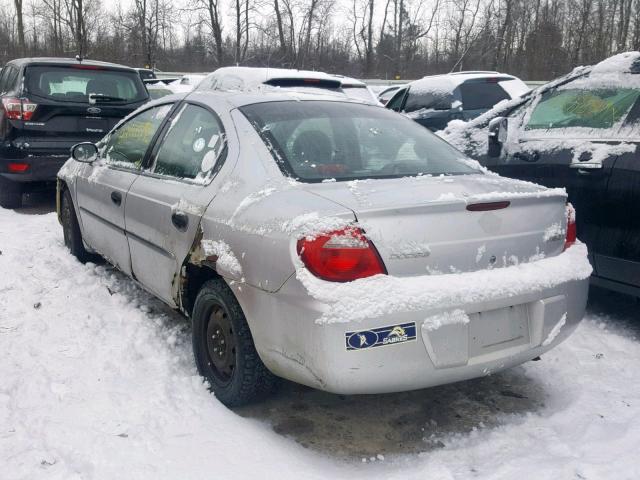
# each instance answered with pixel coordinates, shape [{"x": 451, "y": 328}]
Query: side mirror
[
  {"x": 498, "y": 128},
  {"x": 85, "y": 152}
]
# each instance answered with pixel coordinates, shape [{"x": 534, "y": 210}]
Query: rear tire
[
  {"x": 10, "y": 194},
  {"x": 224, "y": 350},
  {"x": 71, "y": 229}
]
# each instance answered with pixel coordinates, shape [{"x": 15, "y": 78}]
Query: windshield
[
  {"x": 77, "y": 83},
  {"x": 599, "y": 108},
  {"x": 320, "y": 140}
]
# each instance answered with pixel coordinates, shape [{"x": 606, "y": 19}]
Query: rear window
[
  {"x": 319, "y": 140},
  {"x": 482, "y": 95},
  {"x": 146, "y": 75},
  {"x": 73, "y": 84},
  {"x": 358, "y": 93}
]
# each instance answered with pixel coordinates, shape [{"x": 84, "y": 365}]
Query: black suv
[
  {"x": 435, "y": 100},
  {"x": 50, "y": 104}
]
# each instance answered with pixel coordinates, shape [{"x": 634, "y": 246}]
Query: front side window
[
  {"x": 126, "y": 146},
  {"x": 573, "y": 107},
  {"x": 193, "y": 145},
  {"x": 319, "y": 140}
]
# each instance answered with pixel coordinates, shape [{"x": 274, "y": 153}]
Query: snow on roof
[
  {"x": 626, "y": 62},
  {"x": 448, "y": 82}
]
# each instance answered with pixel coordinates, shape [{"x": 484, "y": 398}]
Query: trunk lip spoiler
[{"x": 488, "y": 206}]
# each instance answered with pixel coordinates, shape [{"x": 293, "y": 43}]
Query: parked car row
[{"x": 311, "y": 234}]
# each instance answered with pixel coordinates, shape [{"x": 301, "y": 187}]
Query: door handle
[
  {"x": 180, "y": 220},
  {"x": 116, "y": 197},
  {"x": 586, "y": 168}
]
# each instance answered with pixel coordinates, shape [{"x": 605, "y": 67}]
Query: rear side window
[
  {"x": 8, "y": 78},
  {"x": 85, "y": 85},
  {"x": 481, "y": 95},
  {"x": 193, "y": 145},
  {"x": 431, "y": 99}
]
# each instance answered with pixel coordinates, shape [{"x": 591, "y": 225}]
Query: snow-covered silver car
[{"x": 333, "y": 243}]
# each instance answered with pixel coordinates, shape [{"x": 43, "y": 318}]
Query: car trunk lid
[{"x": 435, "y": 225}]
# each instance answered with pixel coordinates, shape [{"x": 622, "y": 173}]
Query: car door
[
  {"x": 165, "y": 204},
  {"x": 618, "y": 246},
  {"x": 101, "y": 192}
]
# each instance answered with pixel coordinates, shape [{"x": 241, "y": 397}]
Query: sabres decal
[{"x": 378, "y": 337}]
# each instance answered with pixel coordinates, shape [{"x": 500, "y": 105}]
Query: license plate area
[{"x": 499, "y": 329}]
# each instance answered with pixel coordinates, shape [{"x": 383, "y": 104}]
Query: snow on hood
[{"x": 386, "y": 295}]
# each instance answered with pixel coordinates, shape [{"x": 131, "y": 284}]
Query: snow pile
[
  {"x": 226, "y": 261},
  {"x": 381, "y": 295},
  {"x": 499, "y": 195},
  {"x": 185, "y": 206},
  {"x": 555, "y": 331},
  {"x": 592, "y": 152},
  {"x": 310, "y": 225},
  {"x": 554, "y": 231},
  {"x": 251, "y": 199},
  {"x": 453, "y": 317}
]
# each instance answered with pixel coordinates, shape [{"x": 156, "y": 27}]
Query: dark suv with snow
[
  {"x": 49, "y": 105},
  {"x": 435, "y": 100},
  {"x": 580, "y": 132}
]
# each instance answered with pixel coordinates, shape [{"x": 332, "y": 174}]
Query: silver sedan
[{"x": 336, "y": 244}]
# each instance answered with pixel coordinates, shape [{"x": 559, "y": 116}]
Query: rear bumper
[
  {"x": 500, "y": 333},
  {"x": 39, "y": 168}
]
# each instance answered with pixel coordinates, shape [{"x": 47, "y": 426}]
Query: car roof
[
  {"x": 241, "y": 99},
  {"x": 254, "y": 76},
  {"x": 67, "y": 61},
  {"x": 450, "y": 81}
]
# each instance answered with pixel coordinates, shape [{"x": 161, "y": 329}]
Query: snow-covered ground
[{"x": 97, "y": 382}]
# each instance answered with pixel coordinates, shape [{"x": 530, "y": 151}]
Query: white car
[{"x": 327, "y": 241}]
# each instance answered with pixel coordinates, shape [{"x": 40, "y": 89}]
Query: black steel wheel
[
  {"x": 221, "y": 344},
  {"x": 223, "y": 347},
  {"x": 71, "y": 229}
]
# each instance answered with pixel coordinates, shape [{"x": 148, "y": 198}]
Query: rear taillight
[
  {"x": 341, "y": 256},
  {"x": 18, "y": 108},
  {"x": 572, "y": 233},
  {"x": 17, "y": 167}
]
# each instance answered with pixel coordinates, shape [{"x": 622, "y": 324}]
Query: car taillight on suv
[
  {"x": 18, "y": 108},
  {"x": 341, "y": 256},
  {"x": 572, "y": 233}
]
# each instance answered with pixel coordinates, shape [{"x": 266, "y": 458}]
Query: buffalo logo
[
  {"x": 378, "y": 337},
  {"x": 397, "y": 334},
  {"x": 94, "y": 110}
]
